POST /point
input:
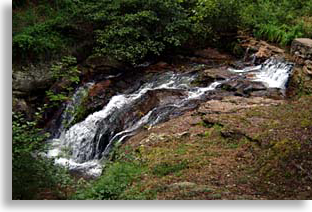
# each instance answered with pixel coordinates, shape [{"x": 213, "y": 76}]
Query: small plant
[{"x": 66, "y": 68}]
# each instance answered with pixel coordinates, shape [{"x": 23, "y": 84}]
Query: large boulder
[{"x": 31, "y": 79}]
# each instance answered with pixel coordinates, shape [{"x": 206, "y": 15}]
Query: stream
[{"x": 84, "y": 146}]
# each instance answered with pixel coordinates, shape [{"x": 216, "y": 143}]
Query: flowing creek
[{"x": 85, "y": 145}]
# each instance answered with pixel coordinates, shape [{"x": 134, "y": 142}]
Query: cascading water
[
  {"x": 82, "y": 147},
  {"x": 69, "y": 114},
  {"x": 87, "y": 142},
  {"x": 273, "y": 73}
]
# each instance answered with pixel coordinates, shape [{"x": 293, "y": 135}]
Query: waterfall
[
  {"x": 273, "y": 73},
  {"x": 83, "y": 146}
]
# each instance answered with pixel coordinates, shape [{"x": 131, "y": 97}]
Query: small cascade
[
  {"x": 70, "y": 111},
  {"x": 83, "y": 145},
  {"x": 273, "y": 73}
]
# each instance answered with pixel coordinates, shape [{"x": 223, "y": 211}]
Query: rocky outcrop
[
  {"x": 260, "y": 49},
  {"x": 301, "y": 80},
  {"x": 31, "y": 79},
  {"x": 101, "y": 67},
  {"x": 301, "y": 48},
  {"x": 212, "y": 54}
]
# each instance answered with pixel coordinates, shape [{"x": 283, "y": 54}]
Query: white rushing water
[
  {"x": 79, "y": 148},
  {"x": 82, "y": 147},
  {"x": 273, "y": 73}
]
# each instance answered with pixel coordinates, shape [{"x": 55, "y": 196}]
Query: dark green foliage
[
  {"x": 65, "y": 70},
  {"x": 276, "y": 21},
  {"x": 39, "y": 29},
  {"x": 33, "y": 174},
  {"x": 130, "y": 30},
  {"x": 221, "y": 16}
]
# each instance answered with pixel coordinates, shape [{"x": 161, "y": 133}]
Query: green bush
[
  {"x": 38, "y": 42},
  {"x": 33, "y": 174},
  {"x": 280, "y": 34}
]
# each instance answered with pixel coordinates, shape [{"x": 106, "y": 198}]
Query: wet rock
[
  {"x": 102, "y": 62},
  {"x": 99, "y": 94},
  {"x": 272, "y": 93},
  {"x": 242, "y": 87},
  {"x": 100, "y": 67},
  {"x": 208, "y": 76},
  {"x": 98, "y": 88}
]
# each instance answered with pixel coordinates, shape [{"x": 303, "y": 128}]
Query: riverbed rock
[
  {"x": 98, "y": 96},
  {"x": 243, "y": 87},
  {"x": 208, "y": 76},
  {"x": 101, "y": 67},
  {"x": 158, "y": 67}
]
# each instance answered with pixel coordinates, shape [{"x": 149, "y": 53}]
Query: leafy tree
[{"x": 130, "y": 30}]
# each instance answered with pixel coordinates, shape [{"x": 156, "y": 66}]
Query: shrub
[
  {"x": 38, "y": 42},
  {"x": 33, "y": 174}
]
